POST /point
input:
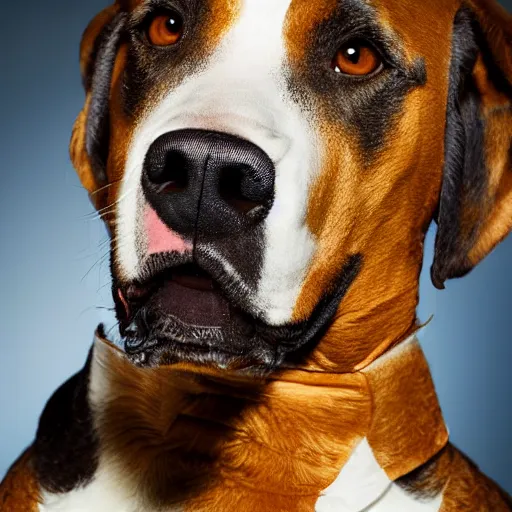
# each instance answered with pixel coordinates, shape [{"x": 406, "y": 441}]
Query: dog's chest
[
  {"x": 253, "y": 475},
  {"x": 104, "y": 497},
  {"x": 360, "y": 487}
]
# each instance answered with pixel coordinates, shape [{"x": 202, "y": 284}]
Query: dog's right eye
[
  {"x": 357, "y": 58},
  {"x": 165, "y": 29}
]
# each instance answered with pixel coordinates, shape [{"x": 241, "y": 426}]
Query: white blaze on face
[{"x": 241, "y": 90}]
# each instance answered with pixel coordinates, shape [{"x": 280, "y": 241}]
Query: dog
[{"x": 267, "y": 170}]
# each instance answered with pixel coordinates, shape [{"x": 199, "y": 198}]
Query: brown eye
[
  {"x": 357, "y": 58},
  {"x": 165, "y": 29}
]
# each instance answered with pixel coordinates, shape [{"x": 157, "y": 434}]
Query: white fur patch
[
  {"x": 363, "y": 486},
  {"x": 241, "y": 91},
  {"x": 106, "y": 493},
  {"x": 103, "y": 494}
]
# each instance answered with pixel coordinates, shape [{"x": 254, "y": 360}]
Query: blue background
[{"x": 54, "y": 258}]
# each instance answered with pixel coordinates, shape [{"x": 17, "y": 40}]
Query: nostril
[
  {"x": 207, "y": 183},
  {"x": 172, "y": 176},
  {"x": 240, "y": 187}
]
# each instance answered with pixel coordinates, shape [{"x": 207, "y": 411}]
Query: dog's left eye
[
  {"x": 357, "y": 58},
  {"x": 165, "y": 29}
]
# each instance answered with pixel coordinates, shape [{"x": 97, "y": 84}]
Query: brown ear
[
  {"x": 90, "y": 139},
  {"x": 475, "y": 208}
]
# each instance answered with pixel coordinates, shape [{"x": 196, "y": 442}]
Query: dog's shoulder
[
  {"x": 461, "y": 483},
  {"x": 469, "y": 489},
  {"x": 19, "y": 491}
]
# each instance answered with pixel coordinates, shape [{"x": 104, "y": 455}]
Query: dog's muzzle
[{"x": 201, "y": 234}]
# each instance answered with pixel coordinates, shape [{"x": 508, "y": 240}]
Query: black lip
[
  {"x": 246, "y": 343},
  {"x": 158, "y": 263}
]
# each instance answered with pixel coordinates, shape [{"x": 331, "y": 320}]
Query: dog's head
[{"x": 268, "y": 168}]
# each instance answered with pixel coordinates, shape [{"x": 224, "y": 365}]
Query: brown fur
[
  {"x": 463, "y": 486},
  {"x": 224, "y": 13},
  {"x": 301, "y": 19},
  {"x": 19, "y": 491},
  {"x": 497, "y": 210},
  {"x": 421, "y": 438},
  {"x": 468, "y": 489},
  {"x": 204, "y": 433},
  {"x": 379, "y": 210},
  {"x": 214, "y": 441},
  {"x": 382, "y": 210},
  {"x": 496, "y": 23}
]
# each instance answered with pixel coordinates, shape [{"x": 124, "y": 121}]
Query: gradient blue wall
[{"x": 54, "y": 269}]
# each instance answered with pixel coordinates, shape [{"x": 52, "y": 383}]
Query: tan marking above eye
[
  {"x": 165, "y": 29},
  {"x": 357, "y": 58}
]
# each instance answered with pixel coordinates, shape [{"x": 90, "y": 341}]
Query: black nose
[{"x": 209, "y": 183}]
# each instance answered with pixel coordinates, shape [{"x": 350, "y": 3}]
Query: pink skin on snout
[{"x": 160, "y": 238}]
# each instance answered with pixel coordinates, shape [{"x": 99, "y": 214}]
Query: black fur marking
[
  {"x": 66, "y": 446},
  {"x": 245, "y": 249},
  {"x": 98, "y": 119},
  {"x": 465, "y": 174},
  {"x": 155, "y": 70},
  {"x": 320, "y": 320},
  {"x": 367, "y": 106},
  {"x": 423, "y": 483}
]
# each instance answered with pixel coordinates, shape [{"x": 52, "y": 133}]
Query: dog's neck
[
  {"x": 186, "y": 435},
  {"x": 385, "y": 292}
]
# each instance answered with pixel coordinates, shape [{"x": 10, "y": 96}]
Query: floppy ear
[
  {"x": 90, "y": 139},
  {"x": 475, "y": 208}
]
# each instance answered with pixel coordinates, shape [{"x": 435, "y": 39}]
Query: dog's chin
[
  {"x": 182, "y": 315},
  {"x": 182, "y": 322},
  {"x": 210, "y": 347}
]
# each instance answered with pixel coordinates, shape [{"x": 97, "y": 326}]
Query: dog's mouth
[
  {"x": 185, "y": 292},
  {"x": 181, "y": 313}
]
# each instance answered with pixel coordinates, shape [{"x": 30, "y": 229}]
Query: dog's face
[{"x": 268, "y": 169}]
